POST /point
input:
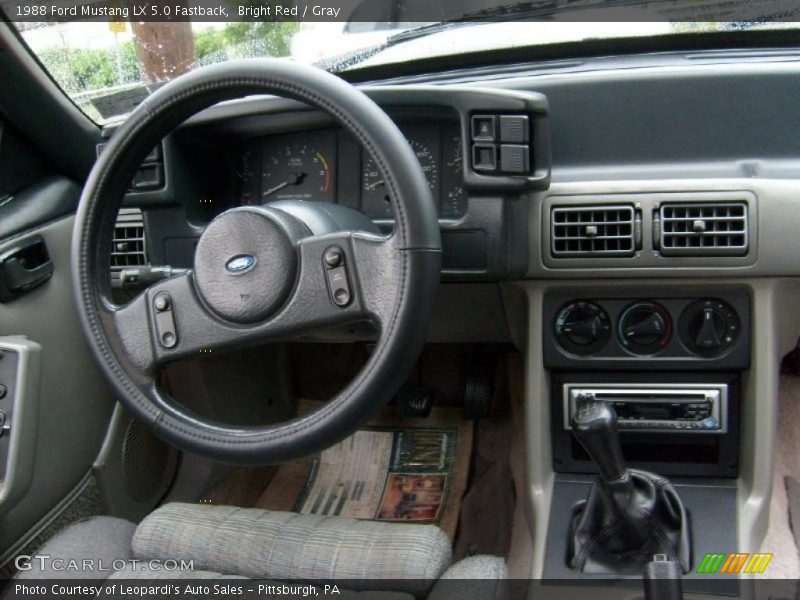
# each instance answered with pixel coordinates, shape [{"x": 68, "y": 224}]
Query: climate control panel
[{"x": 660, "y": 329}]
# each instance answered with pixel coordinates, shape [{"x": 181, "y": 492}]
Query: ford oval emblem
[{"x": 240, "y": 263}]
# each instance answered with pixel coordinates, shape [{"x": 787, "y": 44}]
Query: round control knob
[
  {"x": 644, "y": 327},
  {"x": 709, "y": 327},
  {"x": 582, "y": 327}
]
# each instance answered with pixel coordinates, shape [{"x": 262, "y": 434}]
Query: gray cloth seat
[{"x": 226, "y": 542}]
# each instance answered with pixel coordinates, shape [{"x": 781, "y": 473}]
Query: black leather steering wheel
[{"x": 261, "y": 273}]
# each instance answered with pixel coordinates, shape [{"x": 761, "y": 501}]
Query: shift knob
[{"x": 594, "y": 424}]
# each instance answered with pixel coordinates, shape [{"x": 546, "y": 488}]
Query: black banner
[{"x": 227, "y": 588}]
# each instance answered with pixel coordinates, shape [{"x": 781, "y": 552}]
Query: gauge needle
[
  {"x": 294, "y": 179},
  {"x": 375, "y": 185}
]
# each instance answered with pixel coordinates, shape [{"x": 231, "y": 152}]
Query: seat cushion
[
  {"x": 484, "y": 577},
  {"x": 263, "y": 544},
  {"x": 103, "y": 540}
]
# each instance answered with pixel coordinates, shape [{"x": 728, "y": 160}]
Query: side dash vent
[
  {"x": 128, "y": 246},
  {"x": 707, "y": 229},
  {"x": 594, "y": 231}
]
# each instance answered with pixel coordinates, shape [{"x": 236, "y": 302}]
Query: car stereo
[{"x": 673, "y": 408}]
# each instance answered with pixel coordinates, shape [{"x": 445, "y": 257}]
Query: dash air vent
[
  {"x": 589, "y": 231},
  {"x": 128, "y": 245},
  {"x": 707, "y": 229}
]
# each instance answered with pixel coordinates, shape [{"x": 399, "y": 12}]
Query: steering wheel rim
[{"x": 394, "y": 278}]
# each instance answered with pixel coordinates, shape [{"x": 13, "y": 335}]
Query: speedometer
[{"x": 374, "y": 196}]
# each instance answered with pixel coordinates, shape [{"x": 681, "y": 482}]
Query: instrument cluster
[{"x": 327, "y": 165}]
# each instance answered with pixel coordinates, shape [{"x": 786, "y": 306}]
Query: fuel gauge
[{"x": 453, "y": 203}]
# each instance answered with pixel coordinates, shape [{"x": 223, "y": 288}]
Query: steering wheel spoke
[{"x": 378, "y": 271}]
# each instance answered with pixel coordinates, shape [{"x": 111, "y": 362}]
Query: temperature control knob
[
  {"x": 582, "y": 327},
  {"x": 645, "y": 327},
  {"x": 709, "y": 327}
]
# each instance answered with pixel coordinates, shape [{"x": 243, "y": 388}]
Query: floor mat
[
  {"x": 487, "y": 510},
  {"x": 396, "y": 469},
  {"x": 779, "y": 539}
]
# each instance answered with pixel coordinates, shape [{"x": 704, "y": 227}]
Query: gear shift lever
[
  {"x": 630, "y": 515},
  {"x": 595, "y": 426}
]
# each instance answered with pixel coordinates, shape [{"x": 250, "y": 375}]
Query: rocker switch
[
  {"x": 166, "y": 325},
  {"x": 337, "y": 276}
]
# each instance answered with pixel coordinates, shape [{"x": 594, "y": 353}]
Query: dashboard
[
  {"x": 318, "y": 165},
  {"x": 611, "y": 141},
  {"x": 481, "y": 151}
]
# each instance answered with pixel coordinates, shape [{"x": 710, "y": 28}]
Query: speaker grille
[{"x": 144, "y": 461}]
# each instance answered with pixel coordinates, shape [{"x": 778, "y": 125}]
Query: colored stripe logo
[{"x": 734, "y": 563}]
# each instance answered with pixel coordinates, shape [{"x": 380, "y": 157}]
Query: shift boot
[{"x": 630, "y": 515}]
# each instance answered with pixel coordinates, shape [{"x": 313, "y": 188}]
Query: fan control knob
[{"x": 582, "y": 327}]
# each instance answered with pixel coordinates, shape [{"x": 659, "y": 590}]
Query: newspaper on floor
[{"x": 382, "y": 474}]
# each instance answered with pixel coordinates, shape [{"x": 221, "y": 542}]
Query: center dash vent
[
  {"x": 588, "y": 231},
  {"x": 128, "y": 246},
  {"x": 707, "y": 229}
]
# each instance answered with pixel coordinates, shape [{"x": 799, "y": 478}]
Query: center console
[{"x": 660, "y": 376}]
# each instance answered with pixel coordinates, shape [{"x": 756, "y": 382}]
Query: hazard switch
[{"x": 483, "y": 128}]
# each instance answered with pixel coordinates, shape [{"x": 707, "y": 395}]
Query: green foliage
[
  {"x": 80, "y": 69},
  {"x": 245, "y": 39}
]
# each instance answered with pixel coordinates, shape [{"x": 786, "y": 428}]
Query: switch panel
[
  {"x": 501, "y": 144},
  {"x": 19, "y": 414}
]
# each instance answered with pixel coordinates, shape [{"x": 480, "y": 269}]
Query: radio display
[{"x": 662, "y": 411}]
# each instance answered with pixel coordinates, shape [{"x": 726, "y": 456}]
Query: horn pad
[{"x": 245, "y": 266}]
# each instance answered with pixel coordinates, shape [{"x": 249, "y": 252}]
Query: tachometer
[{"x": 298, "y": 171}]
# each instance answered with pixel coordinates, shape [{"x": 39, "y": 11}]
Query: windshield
[{"x": 107, "y": 68}]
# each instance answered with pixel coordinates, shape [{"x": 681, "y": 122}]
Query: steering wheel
[{"x": 261, "y": 274}]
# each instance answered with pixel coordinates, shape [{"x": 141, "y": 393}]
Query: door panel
[{"x": 75, "y": 405}]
